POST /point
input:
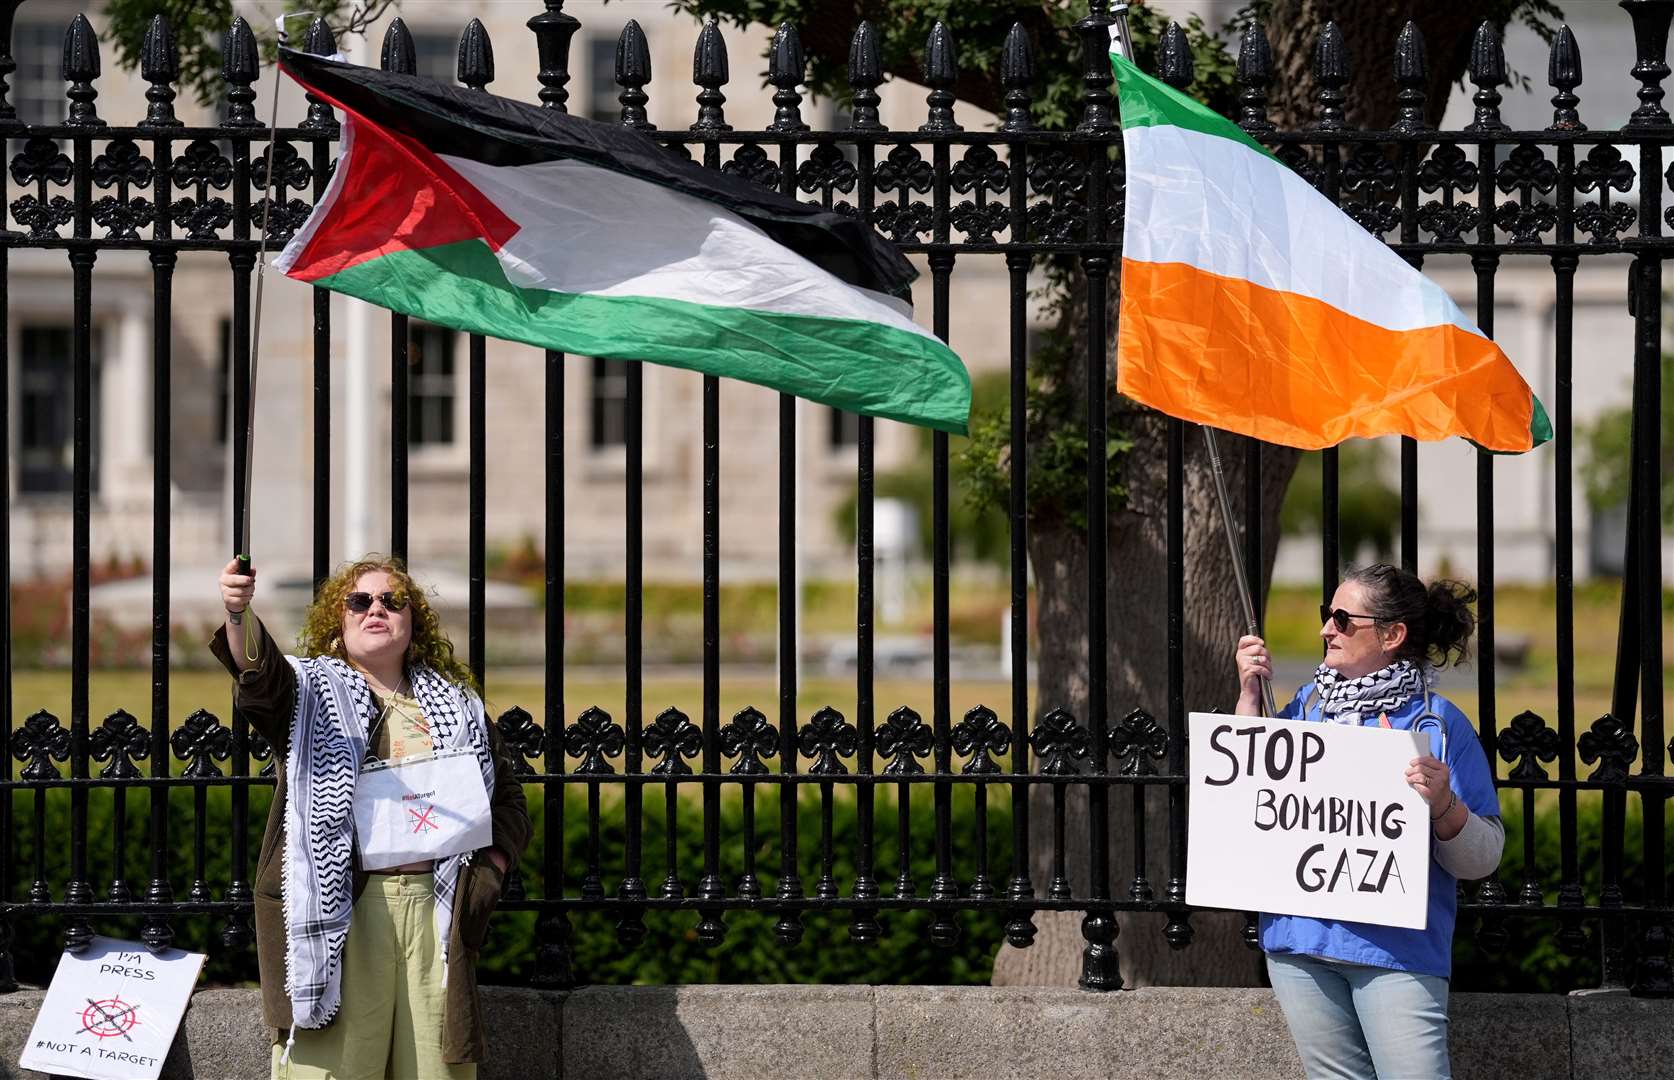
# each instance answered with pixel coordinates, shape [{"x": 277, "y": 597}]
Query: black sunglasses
[
  {"x": 360, "y": 603},
  {"x": 1337, "y": 615}
]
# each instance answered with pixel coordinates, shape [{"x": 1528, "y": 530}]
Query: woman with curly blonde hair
[{"x": 366, "y": 936}]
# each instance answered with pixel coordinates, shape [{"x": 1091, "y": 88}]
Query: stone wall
[{"x": 937, "y": 1033}]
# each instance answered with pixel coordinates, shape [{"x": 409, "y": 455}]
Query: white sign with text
[
  {"x": 111, "y": 1011},
  {"x": 1306, "y": 818}
]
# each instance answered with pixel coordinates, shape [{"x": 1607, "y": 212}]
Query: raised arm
[
  {"x": 237, "y": 590},
  {"x": 266, "y": 684}
]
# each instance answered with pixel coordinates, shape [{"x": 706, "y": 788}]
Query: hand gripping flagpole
[{"x": 1120, "y": 40}]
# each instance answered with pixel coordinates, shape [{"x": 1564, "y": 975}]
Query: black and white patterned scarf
[
  {"x": 334, "y": 712},
  {"x": 1345, "y": 701}
]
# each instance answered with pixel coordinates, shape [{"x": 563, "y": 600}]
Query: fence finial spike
[
  {"x": 1255, "y": 73},
  {"x": 1174, "y": 58},
  {"x": 941, "y": 72},
  {"x": 398, "y": 53},
  {"x": 239, "y": 67},
  {"x": 1411, "y": 73},
  {"x": 1487, "y": 70},
  {"x": 1563, "y": 72},
  {"x": 159, "y": 66},
  {"x": 633, "y": 71},
  {"x": 710, "y": 71},
  {"x": 79, "y": 67},
  {"x": 1017, "y": 72},
  {"x": 786, "y": 67},
  {"x": 1331, "y": 72},
  {"x": 865, "y": 76},
  {"x": 319, "y": 41},
  {"x": 81, "y": 51},
  {"x": 159, "y": 56},
  {"x": 476, "y": 56}
]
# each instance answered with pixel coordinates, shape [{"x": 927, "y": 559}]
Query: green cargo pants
[{"x": 390, "y": 1024}]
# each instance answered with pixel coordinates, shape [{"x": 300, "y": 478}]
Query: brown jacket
[{"x": 266, "y": 695}]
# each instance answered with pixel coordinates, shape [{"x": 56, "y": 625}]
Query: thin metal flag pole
[
  {"x": 1124, "y": 44},
  {"x": 1250, "y": 625},
  {"x": 256, "y": 314}
]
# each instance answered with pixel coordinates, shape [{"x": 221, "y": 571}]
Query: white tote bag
[{"x": 421, "y": 808}]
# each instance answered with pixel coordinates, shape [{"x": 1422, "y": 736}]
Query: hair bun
[{"x": 1450, "y": 622}]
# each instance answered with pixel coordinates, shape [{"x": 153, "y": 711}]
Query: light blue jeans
[{"x": 1355, "y": 1022}]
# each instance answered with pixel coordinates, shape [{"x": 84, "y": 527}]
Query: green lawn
[
  {"x": 111, "y": 689},
  {"x": 1522, "y": 613}
]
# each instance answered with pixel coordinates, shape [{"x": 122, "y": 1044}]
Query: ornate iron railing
[{"x": 1561, "y": 194}]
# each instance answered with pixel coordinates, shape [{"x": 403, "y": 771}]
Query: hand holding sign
[
  {"x": 1429, "y": 777},
  {"x": 1308, "y": 819}
]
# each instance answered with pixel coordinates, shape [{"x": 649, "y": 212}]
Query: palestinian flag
[
  {"x": 1251, "y": 303},
  {"x": 500, "y": 218}
]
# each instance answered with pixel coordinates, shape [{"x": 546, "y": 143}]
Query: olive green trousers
[{"x": 389, "y": 1026}]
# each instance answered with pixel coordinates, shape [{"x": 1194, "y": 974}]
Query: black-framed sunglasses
[
  {"x": 360, "y": 603},
  {"x": 1327, "y": 613}
]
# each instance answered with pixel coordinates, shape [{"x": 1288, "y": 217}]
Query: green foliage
[
  {"x": 671, "y": 954},
  {"x": 38, "y": 941},
  {"x": 1607, "y": 452},
  {"x": 199, "y": 26},
  {"x": 1058, "y": 450},
  {"x": 1369, "y": 510},
  {"x": 978, "y": 525},
  {"x": 1533, "y": 961},
  {"x": 979, "y": 30}
]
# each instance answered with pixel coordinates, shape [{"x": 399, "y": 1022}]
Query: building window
[
  {"x": 37, "y": 85},
  {"x": 602, "y": 103},
  {"x": 845, "y": 429},
  {"x": 46, "y": 386},
  {"x": 433, "y": 384},
  {"x": 608, "y": 397},
  {"x": 436, "y": 55}
]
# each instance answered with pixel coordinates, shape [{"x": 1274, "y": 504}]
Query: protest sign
[
  {"x": 1300, "y": 818},
  {"x": 111, "y": 1011}
]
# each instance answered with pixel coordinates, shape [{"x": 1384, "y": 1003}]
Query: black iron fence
[{"x": 88, "y": 186}]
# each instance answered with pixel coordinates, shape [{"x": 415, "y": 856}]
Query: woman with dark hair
[
  {"x": 367, "y": 932},
  {"x": 1364, "y": 1000}
]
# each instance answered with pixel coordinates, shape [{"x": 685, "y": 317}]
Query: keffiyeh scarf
[
  {"x": 1345, "y": 701},
  {"x": 334, "y": 712}
]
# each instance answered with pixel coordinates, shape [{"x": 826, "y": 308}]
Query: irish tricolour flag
[
  {"x": 496, "y": 217},
  {"x": 1251, "y": 303}
]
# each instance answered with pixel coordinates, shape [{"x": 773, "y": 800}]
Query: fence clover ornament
[
  {"x": 593, "y": 738},
  {"x": 749, "y": 738}
]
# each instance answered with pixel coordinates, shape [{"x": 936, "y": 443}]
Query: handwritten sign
[
  {"x": 111, "y": 1011},
  {"x": 1303, "y": 818}
]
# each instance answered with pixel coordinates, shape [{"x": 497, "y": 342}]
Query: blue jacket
[{"x": 1428, "y": 951}]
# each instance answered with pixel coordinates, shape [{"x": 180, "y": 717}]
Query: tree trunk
[{"x": 1136, "y": 611}]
